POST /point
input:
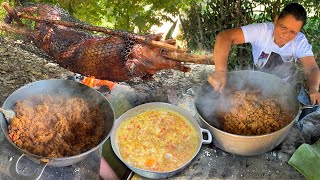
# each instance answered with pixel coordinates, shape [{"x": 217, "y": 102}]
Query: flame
[{"x": 93, "y": 82}]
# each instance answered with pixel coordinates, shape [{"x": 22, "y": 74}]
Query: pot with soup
[{"x": 157, "y": 140}]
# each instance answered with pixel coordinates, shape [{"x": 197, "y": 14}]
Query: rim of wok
[
  {"x": 38, "y": 157},
  {"x": 166, "y": 106},
  {"x": 245, "y": 136}
]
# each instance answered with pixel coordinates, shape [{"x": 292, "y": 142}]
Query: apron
[{"x": 283, "y": 67}]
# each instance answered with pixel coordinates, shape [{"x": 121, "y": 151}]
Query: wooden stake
[
  {"x": 187, "y": 57},
  {"x": 21, "y": 30},
  {"x": 13, "y": 13}
]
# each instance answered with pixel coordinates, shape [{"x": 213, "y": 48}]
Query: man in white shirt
[{"x": 275, "y": 47}]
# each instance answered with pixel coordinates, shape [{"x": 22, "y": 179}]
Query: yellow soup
[{"x": 157, "y": 140}]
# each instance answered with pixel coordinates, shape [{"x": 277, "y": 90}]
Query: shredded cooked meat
[
  {"x": 250, "y": 114},
  {"x": 56, "y": 126}
]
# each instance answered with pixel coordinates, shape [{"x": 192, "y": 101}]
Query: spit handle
[
  {"x": 15, "y": 173},
  {"x": 209, "y": 140}
]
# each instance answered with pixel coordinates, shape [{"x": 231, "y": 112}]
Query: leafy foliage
[{"x": 205, "y": 19}]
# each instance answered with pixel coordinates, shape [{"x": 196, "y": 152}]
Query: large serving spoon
[{"x": 8, "y": 114}]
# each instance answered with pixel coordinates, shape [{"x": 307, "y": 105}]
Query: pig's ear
[
  {"x": 170, "y": 41},
  {"x": 158, "y": 36},
  {"x": 155, "y": 37}
]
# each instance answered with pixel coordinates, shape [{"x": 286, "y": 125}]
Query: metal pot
[
  {"x": 56, "y": 87},
  {"x": 156, "y": 105},
  {"x": 271, "y": 86}
]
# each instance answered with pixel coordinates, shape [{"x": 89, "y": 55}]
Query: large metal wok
[
  {"x": 56, "y": 87},
  {"x": 207, "y": 105}
]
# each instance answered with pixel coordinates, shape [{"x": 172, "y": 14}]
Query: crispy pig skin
[{"x": 115, "y": 58}]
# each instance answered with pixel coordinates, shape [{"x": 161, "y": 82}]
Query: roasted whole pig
[{"x": 115, "y": 58}]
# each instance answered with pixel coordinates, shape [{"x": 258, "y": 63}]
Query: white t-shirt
[{"x": 261, "y": 38}]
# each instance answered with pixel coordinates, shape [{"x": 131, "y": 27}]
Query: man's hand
[
  {"x": 314, "y": 96},
  {"x": 312, "y": 72},
  {"x": 222, "y": 46},
  {"x": 218, "y": 80}
]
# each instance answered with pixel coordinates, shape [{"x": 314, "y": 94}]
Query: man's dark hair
[{"x": 296, "y": 10}]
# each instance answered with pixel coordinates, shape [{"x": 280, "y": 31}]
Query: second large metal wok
[
  {"x": 66, "y": 88},
  {"x": 207, "y": 103}
]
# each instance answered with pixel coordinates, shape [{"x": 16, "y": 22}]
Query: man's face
[{"x": 286, "y": 29}]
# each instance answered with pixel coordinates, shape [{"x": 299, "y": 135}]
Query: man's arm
[
  {"x": 312, "y": 73},
  {"x": 223, "y": 45},
  {"x": 224, "y": 41}
]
